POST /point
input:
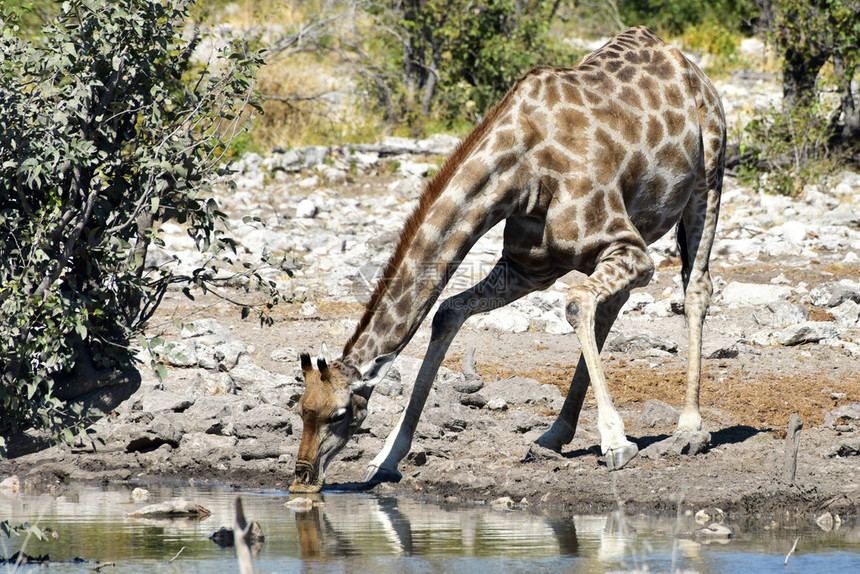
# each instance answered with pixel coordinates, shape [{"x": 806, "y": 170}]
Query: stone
[
  {"x": 306, "y": 209},
  {"x": 521, "y": 390},
  {"x": 712, "y": 515},
  {"x": 680, "y": 443},
  {"x": 140, "y": 494},
  {"x": 751, "y": 294},
  {"x": 793, "y": 231},
  {"x": 847, "y": 314},
  {"x": 156, "y": 401},
  {"x": 468, "y": 385},
  {"x": 177, "y": 507},
  {"x": 780, "y": 314},
  {"x": 825, "y": 522},
  {"x": 497, "y": 404},
  {"x": 286, "y": 354},
  {"x": 473, "y": 400},
  {"x": 850, "y": 447},
  {"x": 656, "y": 412},
  {"x": 314, "y": 155},
  {"x": 502, "y": 503},
  {"x": 218, "y": 384},
  {"x": 714, "y": 532},
  {"x": 10, "y": 485},
  {"x": 845, "y": 418},
  {"x": 299, "y": 503},
  {"x": 205, "y": 327},
  {"x": 264, "y": 418},
  {"x": 207, "y": 448},
  {"x": 645, "y": 341},
  {"x": 308, "y": 308},
  {"x": 834, "y": 294},
  {"x": 506, "y": 319},
  {"x": 806, "y": 332}
]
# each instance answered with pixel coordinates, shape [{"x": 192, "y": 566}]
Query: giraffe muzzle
[{"x": 307, "y": 479}]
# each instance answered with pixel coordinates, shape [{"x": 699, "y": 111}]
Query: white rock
[
  {"x": 851, "y": 258},
  {"x": 806, "y": 332},
  {"x": 11, "y": 484},
  {"x": 306, "y": 209},
  {"x": 505, "y": 319},
  {"x": 286, "y": 354},
  {"x": 503, "y": 503},
  {"x": 218, "y": 384},
  {"x": 139, "y": 494},
  {"x": 309, "y": 308},
  {"x": 747, "y": 294},
  {"x": 638, "y": 301},
  {"x": 497, "y": 404},
  {"x": 415, "y": 169},
  {"x": 300, "y": 503},
  {"x": 555, "y": 325},
  {"x": 847, "y": 314},
  {"x": 794, "y": 232}
]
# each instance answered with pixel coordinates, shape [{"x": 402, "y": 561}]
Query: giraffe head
[{"x": 332, "y": 408}]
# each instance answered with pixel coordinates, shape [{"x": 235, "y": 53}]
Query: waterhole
[{"x": 86, "y": 529}]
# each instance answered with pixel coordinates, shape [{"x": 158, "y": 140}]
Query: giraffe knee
[
  {"x": 448, "y": 317},
  {"x": 579, "y": 302}
]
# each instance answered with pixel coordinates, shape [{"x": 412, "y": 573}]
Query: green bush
[
  {"x": 108, "y": 127},
  {"x": 783, "y": 151},
  {"x": 674, "y": 17},
  {"x": 451, "y": 60}
]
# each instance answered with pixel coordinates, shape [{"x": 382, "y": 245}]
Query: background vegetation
[
  {"x": 111, "y": 124},
  {"x": 118, "y": 116}
]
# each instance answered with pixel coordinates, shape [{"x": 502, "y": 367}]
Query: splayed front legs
[{"x": 504, "y": 284}]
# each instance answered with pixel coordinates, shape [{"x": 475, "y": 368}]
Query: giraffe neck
[
  {"x": 449, "y": 218},
  {"x": 405, "y": 297}
]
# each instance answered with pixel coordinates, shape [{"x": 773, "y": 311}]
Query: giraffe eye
[{"x": 337, "y": 416}]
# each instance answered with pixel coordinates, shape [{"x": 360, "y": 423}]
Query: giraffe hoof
[
  {"x": 537, "y": 451},
  {"x": 691, "y": 442},
  {"x": 616, "y": 458},
  {"x": 550, "y": 441},
  {"x": 375, "y": 475}
]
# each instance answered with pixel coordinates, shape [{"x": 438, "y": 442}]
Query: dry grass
[
  {"x": 308, "y": 94},
  {"x": 758, "y": 400}
]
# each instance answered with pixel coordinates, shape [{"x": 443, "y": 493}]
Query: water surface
[{"x": 350, "y": 532}]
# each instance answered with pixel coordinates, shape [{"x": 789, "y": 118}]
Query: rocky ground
[{"x": 783, "y": 337}]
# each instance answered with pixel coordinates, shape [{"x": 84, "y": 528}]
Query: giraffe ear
[
  {"x": 306, "y": 363},
  {"x": 323, "y": 358},
  {"x": 373, "y": 372}
]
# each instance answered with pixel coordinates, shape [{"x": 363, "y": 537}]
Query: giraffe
[{"x": 587, "y": 166}]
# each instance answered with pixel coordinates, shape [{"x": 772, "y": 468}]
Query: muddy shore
[{"x": 782, "y": 337}]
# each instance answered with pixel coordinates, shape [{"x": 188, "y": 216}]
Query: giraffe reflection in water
[{"x": 348, "y": 526}]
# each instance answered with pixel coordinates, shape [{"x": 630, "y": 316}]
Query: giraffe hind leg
[
  {"x": 621, "y": 269},
  {"x": 564, "y": 427},
  {"x": 695, "y": 238}
]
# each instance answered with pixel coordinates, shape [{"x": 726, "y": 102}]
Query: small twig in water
[
  {"x": 177, "y": 554},
  {"x": 790, "y": 552}
]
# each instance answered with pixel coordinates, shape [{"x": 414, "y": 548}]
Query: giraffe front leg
[
  {"x": 383, "y": 467},
  {"x": 621, "y": 269},
  {"x": 505, "y": 283}
]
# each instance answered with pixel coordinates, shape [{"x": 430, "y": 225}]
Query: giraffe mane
[{"x": 430, "y": 194}]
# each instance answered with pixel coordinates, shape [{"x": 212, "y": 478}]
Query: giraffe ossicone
[{"x": 587, "y": 166}]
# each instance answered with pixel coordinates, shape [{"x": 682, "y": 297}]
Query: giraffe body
[{"x": 586, "y": 166}]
